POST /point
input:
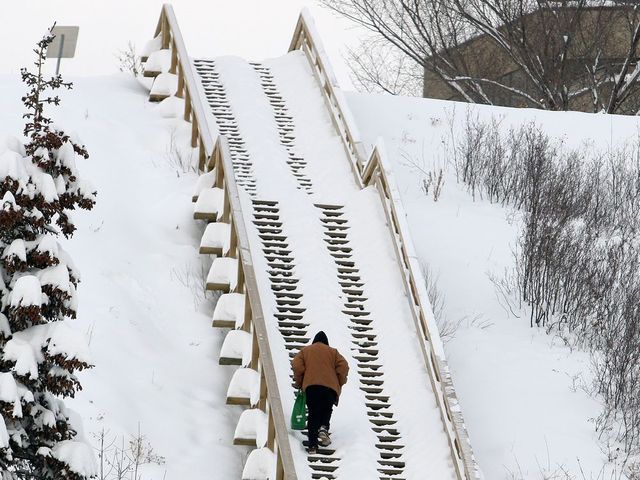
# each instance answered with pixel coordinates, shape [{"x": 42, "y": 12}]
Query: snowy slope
[
  {"x": 150, "y": 332},
  {"x": 251, "y": 121},
  {"x": 150, "y": 335},
  {"x": 520, "y": 389}
]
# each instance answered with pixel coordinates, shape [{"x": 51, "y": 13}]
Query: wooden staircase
[{"x": 227, "y": 175}]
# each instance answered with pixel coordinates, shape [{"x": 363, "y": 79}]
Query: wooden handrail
[
  {"x": 246, "y": 262},
  {"x": 378, "y": 172},
  {"x": 194, "y": 107},
  {"x": 305, "y": 38},
  {"x": 214, "y": 153}
]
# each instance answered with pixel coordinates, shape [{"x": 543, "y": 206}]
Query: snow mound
[
  {"x": 4, "y": 435},
  {"x": 158, "y": 61},
  {"x": 151, "y": 46},
  {"x": 12, "y": 165},
  {"x": 259, "y": 465},
  {"x": 245, "y": 383},
  {"x": 253, "y": 424},
  {"x": 206, "y": 180},
  {"x": 165, "y": 84},
  {"x": 16, "y": 248},
  {"x": 171, "y": 107},
  {"x": 78, "y": 456},
  {"x": 23, "y": 353},
  {"x": 224, "y": 271},
  {"x": 9, "y": 143},
  {"x": 237, "y": 345},
  {"x": 26, "y": 292},
  {"x": 210, "y": 202},
  {"x": 230, "y": 307},
  {"x": 9, "y": 393},
  {"x": 56, "y": 276},
  {"x": 216, "y": 235}
]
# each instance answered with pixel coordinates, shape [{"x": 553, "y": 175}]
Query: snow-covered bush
[
  {"x": 39, "y": 353},
  {"x": 578, "y": 254}
]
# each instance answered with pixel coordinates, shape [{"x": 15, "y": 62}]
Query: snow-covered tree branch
[
  {"x": 40, "y": 354},
  {"x": 543, "y": 53}
]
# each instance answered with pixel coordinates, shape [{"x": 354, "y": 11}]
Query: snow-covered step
[
  {"x": 251, "y": 429},
  {"x": 216, "y": 239},
  {"x": 259, "y": 464},
  {"x": 229, "y": 311},
  {"x": 223, "y": 274},
  {"x": 369, "y": 368},
  {"x": 236, "y": 348},
  {"x": 206, "y": 180},
  {"x": 209, "y": 205},
  {"x": 157, "y": 62},
  {"x": 164, "y": 85},
  {"x": 223, "y": 113},
  {"x": 289, "y": 305},
  {"x": 284, "y": 123},
  {"x": 244, "y": 387},
  {"x": 251, "y": 426}
]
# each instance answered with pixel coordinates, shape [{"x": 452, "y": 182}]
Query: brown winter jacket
[{"x": 319, "y": 364}]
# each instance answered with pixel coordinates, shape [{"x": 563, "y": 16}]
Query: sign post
[{"x": 64, "y": 44}]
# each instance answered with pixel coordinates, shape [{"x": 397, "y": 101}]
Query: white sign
[{"x": 64, "y": 42}]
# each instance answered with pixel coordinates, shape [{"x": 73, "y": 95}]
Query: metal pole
[{"x": 60, "y": 54}]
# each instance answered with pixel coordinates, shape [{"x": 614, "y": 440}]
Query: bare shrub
[
  {"x": 377, "y": 66},
  {"x": 122, "y": 458},
  {"x": 179, "y": 158},
  {"x": 446, "y": 327},
  {"x": 577, "y": 260},
  {"x": 194, "y": 278},
  {"x": 433, "y": 182},
  {"x": 129, "y": 60}
]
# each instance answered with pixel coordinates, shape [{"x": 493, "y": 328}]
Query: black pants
[{"x": 320, "y": 400}]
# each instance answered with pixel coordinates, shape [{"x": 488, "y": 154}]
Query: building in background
[{"x": 597, "y": 46}]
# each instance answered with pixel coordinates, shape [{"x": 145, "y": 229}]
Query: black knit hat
[{"x": 321, "y": 337}]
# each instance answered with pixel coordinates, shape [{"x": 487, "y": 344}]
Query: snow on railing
[
  {"x": 378, "y": 172},
  {"x": 272, "y": 458},
  {"x": 187, "y": 87},
  {"x": 306, "y": 39}
]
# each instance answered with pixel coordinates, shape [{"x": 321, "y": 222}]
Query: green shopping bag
[{"x": 299, "y": 413}]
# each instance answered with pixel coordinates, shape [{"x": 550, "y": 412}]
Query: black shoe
[
  {"x": 323, "y": 437},
  {"x": 312, "y": 450}
]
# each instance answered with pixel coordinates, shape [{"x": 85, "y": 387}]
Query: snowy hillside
[
  {"x": 521, "y": 390},
  {"x": 149, "y": 323},
  {"x": 141, "y": 301}
]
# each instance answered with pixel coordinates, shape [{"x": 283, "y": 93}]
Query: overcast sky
[{"x": 254, "y": 29}]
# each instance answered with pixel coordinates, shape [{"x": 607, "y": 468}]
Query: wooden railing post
[
  {"x": 271, "y": 433},
  {"x": 262, "y": 403},
  {"x": 187, "y": 106},
  {"x": 375, "y": 173},
  {"x": 180, "y": 90},
  {"x": 194, "y": 132},
  {"x": 219, "y": 170},
  {"x": 255, "y": 350},
  {"x": 215, "y": 154},
  {"x": 174, "y": 59},
  {"x": 226, "y": 209},
  {"x": 279, "y": 467},
  {"x": 246, "y": 325},
  {"x": 165, "y": 31}
]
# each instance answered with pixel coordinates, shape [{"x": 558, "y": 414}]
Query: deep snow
[
  {"x": 157, "y": 360},
  {"x": 521, "y": 390},
  {"x": 140, "y": 299}
]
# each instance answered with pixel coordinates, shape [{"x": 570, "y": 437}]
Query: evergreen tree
[{"x": 39, "y": 353}]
